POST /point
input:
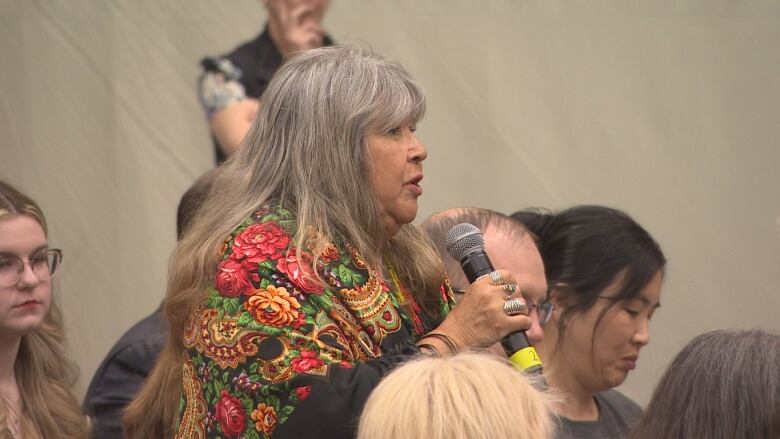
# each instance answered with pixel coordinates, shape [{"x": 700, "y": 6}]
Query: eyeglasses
[
  {"x": 44, "y": 264},
  {"x": 544, "y": 310}
]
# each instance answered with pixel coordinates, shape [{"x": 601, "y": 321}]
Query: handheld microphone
[{"x": 466, "y": 245}]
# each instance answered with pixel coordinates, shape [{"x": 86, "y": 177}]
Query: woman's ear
[{"x": 557, "y": 296}]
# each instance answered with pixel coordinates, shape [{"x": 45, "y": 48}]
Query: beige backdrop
[{"x": 667, "y": 109}]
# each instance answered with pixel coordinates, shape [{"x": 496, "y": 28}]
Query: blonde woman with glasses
[{"x": 35, "y": 377}]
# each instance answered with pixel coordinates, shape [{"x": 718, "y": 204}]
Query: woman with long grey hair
[
  {"x": 301, "y": 281},
  {"x": 724, "y": 384}
]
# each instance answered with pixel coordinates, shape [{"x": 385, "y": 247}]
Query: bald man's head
[{"x": 508, "y": 244}]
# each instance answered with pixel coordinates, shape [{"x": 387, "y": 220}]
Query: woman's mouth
[
  {"x": 28, "y": 304},
  {"x": 414, "y": 185}
]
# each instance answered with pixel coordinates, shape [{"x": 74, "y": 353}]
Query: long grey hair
[
  {"x": 307, "y": 151},
  {"x": 724, "y": 384}
]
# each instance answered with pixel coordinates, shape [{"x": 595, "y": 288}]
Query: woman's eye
[
  {"x": 39, "y": 260},
  {"x": 413, "y": 128},
  {"x": 394, "y": 131},
  {"x": 631, "y": 312}
]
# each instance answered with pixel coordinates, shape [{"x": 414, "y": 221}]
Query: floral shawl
[{"x": 273, "y": 353}]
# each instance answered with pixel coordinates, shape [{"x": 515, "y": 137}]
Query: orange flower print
[
  {"x": 265, "y": 418},
  {"x": 329, "y": 254},
  {"x": 273, "y": 306}
]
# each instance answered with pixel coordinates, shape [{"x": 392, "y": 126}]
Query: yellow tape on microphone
[{"x": 526, "y": 358}]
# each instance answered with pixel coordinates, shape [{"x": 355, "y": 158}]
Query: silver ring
[
  {"x": 495, "y": 278},
  {"x": 510, "y": 288},
  {"x": 513, "y": 307}
]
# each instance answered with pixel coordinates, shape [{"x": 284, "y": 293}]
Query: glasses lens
[
  {"x": 53, "y": 260},
  {"x": 545, "y": 312},
  {"x": 10, "y": 267}
]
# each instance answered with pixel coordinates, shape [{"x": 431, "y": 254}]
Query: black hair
[
  {"x": 585, "y": 249},
  {"x": 191, "y": 201}
]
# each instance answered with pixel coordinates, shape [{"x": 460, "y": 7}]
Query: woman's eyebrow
[{"x": 647, "y": 301}]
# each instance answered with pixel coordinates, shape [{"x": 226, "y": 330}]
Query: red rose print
[
  {"x": 303, "y": 392},
  {"x": 346, "y": 364},
  {"x": 300, "y": 322},
  {"x": 260, "y": 242},
  {"x": 300, "y": 272},
  {"x": 230, "y": 414},
  {"x": 307, "y": 360},
  {"x": 233, "y": 279}
]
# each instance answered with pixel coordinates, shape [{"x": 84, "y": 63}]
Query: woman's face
[
  {"x": 24, "y": 304},
  {"x": 396, "y": 170},
  {"x": 622, "y": 332}
]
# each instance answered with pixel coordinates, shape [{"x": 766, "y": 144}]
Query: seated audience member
[
  {"x": 462, "y": 396},
  {"x": 508, "y": 245},
  {"x": 604, "y": 273},
  {"x": 724, "y": 384},
  {"x": 232, "y": 84},
  {"x": 36, "y": 378},
  {"x": 130, "y": 360}
]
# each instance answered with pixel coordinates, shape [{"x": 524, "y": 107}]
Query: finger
[
  {"x": 515, "y": 306},
  {"x": 518, "y": 323}
]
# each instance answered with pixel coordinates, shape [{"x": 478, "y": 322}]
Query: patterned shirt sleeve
[
  {"x": 272, "y": 352},
  {"x": 219, "y": 86}
]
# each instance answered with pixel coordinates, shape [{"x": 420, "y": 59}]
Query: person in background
[
  {"x": 36, "y": 378},
  {"x": 508, "y": 245},
  {"x": 465, "y": 396},
  {"x": 604, "y": 273},
  {"x": 724, "y": 384},
  {"x": 302, "y": 281},
  {"x": 128, "y": 363},
  {"x": 231, "y": 85}
]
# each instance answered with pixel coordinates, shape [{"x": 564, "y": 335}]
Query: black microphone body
[{"x": 475, "y": 263}]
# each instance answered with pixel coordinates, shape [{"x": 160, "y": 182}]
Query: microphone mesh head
[{"x": 464, "y": 239}]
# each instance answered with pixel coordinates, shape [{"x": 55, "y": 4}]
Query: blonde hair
[
  {"x": 305, "y": 151},
  {"x": 468, "y": 395},
  {"x": 44, "y": 374}
]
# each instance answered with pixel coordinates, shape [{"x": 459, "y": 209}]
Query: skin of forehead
[{"x": 519, "y": 255}]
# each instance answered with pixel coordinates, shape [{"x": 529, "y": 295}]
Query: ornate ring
[
  {"x": 510, "y": 288},
  {"x": 513, "y": 307},
  {"x": 495, "y": 278}
]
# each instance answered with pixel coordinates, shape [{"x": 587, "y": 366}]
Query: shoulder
[
  {"x": 258, "y": 51},
  {"x": 141, "y": 343},
  {"x": 133, "y": 355},
  {"x": 613, "y": 403},
  {"x": 265, "y": 234}
]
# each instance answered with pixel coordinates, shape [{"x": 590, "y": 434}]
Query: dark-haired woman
[{"x": 605, "y": 274}]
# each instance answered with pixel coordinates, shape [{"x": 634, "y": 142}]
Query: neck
[{"x": 578, "y": 403}]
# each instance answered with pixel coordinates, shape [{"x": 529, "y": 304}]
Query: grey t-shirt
[{"x": 617, "y": 414}]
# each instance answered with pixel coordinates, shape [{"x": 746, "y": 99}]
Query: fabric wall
[{"x": 666, "y": 109}]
